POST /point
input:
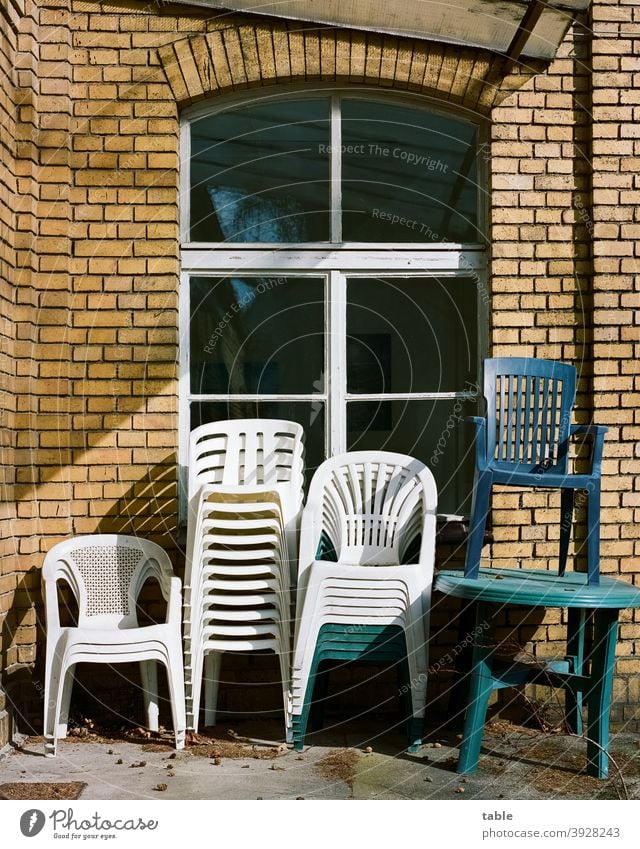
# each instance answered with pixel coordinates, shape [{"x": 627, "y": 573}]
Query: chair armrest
[
  {"x": 310, "y": 531},
  {"x": 174, "y": 602},
  {"x": 481, "y": 440},
  {"x": 170, "y": 585},
  {"x": 55, "y": 569},
  {"x": 597, "y": 432}
]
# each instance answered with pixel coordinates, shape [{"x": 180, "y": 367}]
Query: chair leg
[
  {"x": 57, "y": 698},
  {"x": 212, "y": 664},
  {"x": 175, "y": 678},
  {"x": 300, "y": 721},
  {"x": 593, "y": 533},
  {"x": 285, "y": 676},
  {"x": 567, "y": 500},
  {"x": 65, "y": 702},
  {"x": 575, "y": 654},
  {"x": 477, "y": 523},
  {"x": 599, "y": 699},
  {"x": 149, "y": 679},
  {"x": 197, "y": 663},
  {"x": 50, "y": 719},
  {"x": 414, "y": 698},
  {"x": 320, "y": 693},
  {"x": 479, "y": 694}
]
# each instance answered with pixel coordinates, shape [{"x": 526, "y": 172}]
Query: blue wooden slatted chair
[{"x": 524, "y": 441}]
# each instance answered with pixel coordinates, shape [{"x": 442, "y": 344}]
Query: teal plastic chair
[
  {"x": 524, "y": 442},
  {"x": 379, "y": 644}
]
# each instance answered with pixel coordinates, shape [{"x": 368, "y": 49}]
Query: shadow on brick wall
[{"x": 22, "y": 664}]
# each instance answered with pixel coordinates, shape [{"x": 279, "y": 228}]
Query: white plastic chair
[
  {"x": 251, "y": 453},
  {"x": 106, "y": 573},
  {"x": 237, "y": 592},
  {"x": 366, "y": 508},
  {"x": 246, "y": 481}
]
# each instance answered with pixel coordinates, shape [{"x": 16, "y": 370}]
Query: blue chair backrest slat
[
  {"x": 518, "y": 405},
  {"x": 529, "y": 404}
]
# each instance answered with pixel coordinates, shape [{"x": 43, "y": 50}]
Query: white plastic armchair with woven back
[{"x": 106, "y": 573}]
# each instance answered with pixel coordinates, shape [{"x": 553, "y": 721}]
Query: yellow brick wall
[
  {"x": 8, "y": 40},
  {"x": 565, "y": 156},
  {"x": 96, "y": 245},
  {"x": 541, "y": 280},
  {"x": 18, "y": 53},
  {"x": 616, "y": 297}
]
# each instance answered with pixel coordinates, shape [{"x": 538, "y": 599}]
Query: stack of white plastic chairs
[
  {"x": 365, "y": 510},
  {"x": 245, "y": 498}
]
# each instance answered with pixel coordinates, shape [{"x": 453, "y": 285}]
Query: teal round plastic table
[{"x": 593, "y": 607}]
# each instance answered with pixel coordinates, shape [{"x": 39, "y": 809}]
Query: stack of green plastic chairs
[{"x": 376, "y": 644}]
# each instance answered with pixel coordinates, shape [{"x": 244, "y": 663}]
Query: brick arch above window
[{"x": 248, "y": 56}]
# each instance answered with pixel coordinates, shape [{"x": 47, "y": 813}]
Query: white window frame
[{"x": 336, "y": 261}]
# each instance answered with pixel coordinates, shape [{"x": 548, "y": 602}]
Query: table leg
[
  {"x": 575, "y": 652},
  {"x": 479, "y": 692},
  {"x": 603, "y": 658}
]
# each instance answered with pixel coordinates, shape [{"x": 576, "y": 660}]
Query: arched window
[{"x": 334, "y": 273}]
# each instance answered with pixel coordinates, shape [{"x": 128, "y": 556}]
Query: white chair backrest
[
  {"x": 106, "y": 573},
  {"x": 246, "y": 452},
  {"x": 371, "y": 501}
]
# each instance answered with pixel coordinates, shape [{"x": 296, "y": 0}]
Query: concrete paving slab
[{"x": 346, "y": 761}]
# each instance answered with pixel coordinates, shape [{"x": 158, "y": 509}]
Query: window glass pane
[
  {"x": 260, "y": 173},
  {"x": 311, "y": 415},
  {"x": 432, "y": 431},
  {"x": 411, "y": 335},
  {"x": 257, "y": 334},
  {"x": 408, "y": 175}
]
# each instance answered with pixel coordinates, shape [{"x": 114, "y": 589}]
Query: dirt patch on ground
[
  {"x": 158, "y": 747},
  {"x": 557, "y": 763},
  {"x": 559, "y": 782},
  {"x": 225, "y": 743},
  {"x": 214, "y": 742},
  {"x": 339, "y": 765},
  {"x": 41, "y": 790},
  {"x": 503, "y": 728}
]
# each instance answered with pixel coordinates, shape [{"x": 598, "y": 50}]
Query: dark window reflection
[
  {"x": 412, "y": 334},
  {"x": 257, "y": 334},
  {"x": 408, "y": 175},
  {"x": 433, "y": 431},
  {"x": 261, "y": 174}
]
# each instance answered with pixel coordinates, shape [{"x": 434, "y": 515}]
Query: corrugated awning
[{"x": 514, "y": 28}]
